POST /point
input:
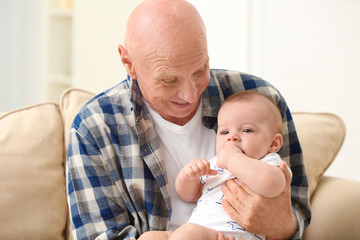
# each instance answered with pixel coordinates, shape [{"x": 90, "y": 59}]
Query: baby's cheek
[{"x": 219, "y": 146}]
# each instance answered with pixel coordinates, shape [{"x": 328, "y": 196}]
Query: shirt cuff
[{"x": 300, "y": 225}]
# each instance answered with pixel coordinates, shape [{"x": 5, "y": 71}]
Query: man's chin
[{"x": 180, "y": 118}]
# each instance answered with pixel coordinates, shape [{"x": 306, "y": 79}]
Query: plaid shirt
[{"x": 117, "y": 188}]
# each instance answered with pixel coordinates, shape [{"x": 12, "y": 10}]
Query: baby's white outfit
[{"x": 209, "y": 212}]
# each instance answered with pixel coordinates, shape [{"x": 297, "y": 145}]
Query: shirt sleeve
[
  {"x": 274, "y": 159},
  {"x": 291, "y": 152},
  {"x": 97, "y": 209}
]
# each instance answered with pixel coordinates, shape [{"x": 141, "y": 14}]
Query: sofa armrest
[{"x": 335, "y": 210}]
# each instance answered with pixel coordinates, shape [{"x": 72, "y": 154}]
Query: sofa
[{"x": 33, "y": 142}]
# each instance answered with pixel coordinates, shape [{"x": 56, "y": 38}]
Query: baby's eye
[
  {"x": 224, "y": 132},
  {"x": 247, "y": 130}
]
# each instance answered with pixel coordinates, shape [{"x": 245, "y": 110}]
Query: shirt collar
[
  {"x": 212, "y": 98},
  {"x": 136, "y": 98}
]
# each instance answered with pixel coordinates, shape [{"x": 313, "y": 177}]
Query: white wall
[
  {"x": 21, "y": 59},
  {"x": 227, "y": 27},
  {"x": 312, "y": 54},
  {"x": 99, "y": 26}
]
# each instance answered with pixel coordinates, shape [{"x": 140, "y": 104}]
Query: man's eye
[
  {"x": 170, "y": 81},
  {"x": 203, "y": 69},
  {"x": 200, "y": 71}
]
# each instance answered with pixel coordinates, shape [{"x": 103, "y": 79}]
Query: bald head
[
  {"x": 166, "y": 53},
  {"x": 163, "y": 24}
]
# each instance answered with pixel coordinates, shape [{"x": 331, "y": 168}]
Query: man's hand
[{"x": 271, "y": 217}]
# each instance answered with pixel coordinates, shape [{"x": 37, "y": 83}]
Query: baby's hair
[{"x": 249, "y": 95}]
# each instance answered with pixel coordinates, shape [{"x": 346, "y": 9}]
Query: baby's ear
[{"x": 276, "y": 143}]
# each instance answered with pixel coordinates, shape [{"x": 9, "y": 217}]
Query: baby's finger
[
  {"x": 208, "y": 170},
  {"x": 212, "y": 172},
  {"x": 221, "y": 236},
  {"x": 203, "y": 166}
]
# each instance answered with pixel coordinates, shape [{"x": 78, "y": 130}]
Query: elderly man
[{"x": 128, "y": 143}]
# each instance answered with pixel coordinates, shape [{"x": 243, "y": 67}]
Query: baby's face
[{"x": 246, "y": 125}]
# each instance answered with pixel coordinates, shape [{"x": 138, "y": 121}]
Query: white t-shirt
[{"x": 180, "y": 145}]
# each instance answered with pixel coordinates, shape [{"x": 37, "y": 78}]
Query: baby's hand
[
  {"x": 221, "y": 236},
  {"x": 197, "y": 168},
  {"x": 228, "y": 150}
]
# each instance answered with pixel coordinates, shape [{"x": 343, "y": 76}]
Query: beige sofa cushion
[
  {"x": 70, "y": 102},
  {"x": 335, "y": 210},
  {"x": 321, "y": 136},
  {"x": 32, "y": 180}
]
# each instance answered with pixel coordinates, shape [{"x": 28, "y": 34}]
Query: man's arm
[{"x": 96, "y": 206}]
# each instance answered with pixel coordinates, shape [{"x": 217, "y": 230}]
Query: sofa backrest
[
  {"x": 321, "y": 136},
  {"x": 32, "y": 179},
  {"x": 71, "y": 101}
]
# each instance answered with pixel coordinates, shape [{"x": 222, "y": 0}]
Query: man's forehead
[{"x": 164, "y": 69}]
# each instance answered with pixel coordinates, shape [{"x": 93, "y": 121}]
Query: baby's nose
[{"x": 234, "y": 138}]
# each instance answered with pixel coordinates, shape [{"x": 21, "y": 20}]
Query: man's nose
[{"x": 188, "y": 91}]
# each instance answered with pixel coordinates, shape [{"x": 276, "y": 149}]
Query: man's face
[{"x": 172, "y": 80}]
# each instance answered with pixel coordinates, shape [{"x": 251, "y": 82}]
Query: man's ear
[
  {"x": 127, "y": 62},
  {"x": 276, "y": 143}
]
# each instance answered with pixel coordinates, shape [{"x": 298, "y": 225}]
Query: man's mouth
[{"x": 182, "y": 103}]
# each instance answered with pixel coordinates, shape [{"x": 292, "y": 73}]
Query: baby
[{"x": 247, "y": 142}]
